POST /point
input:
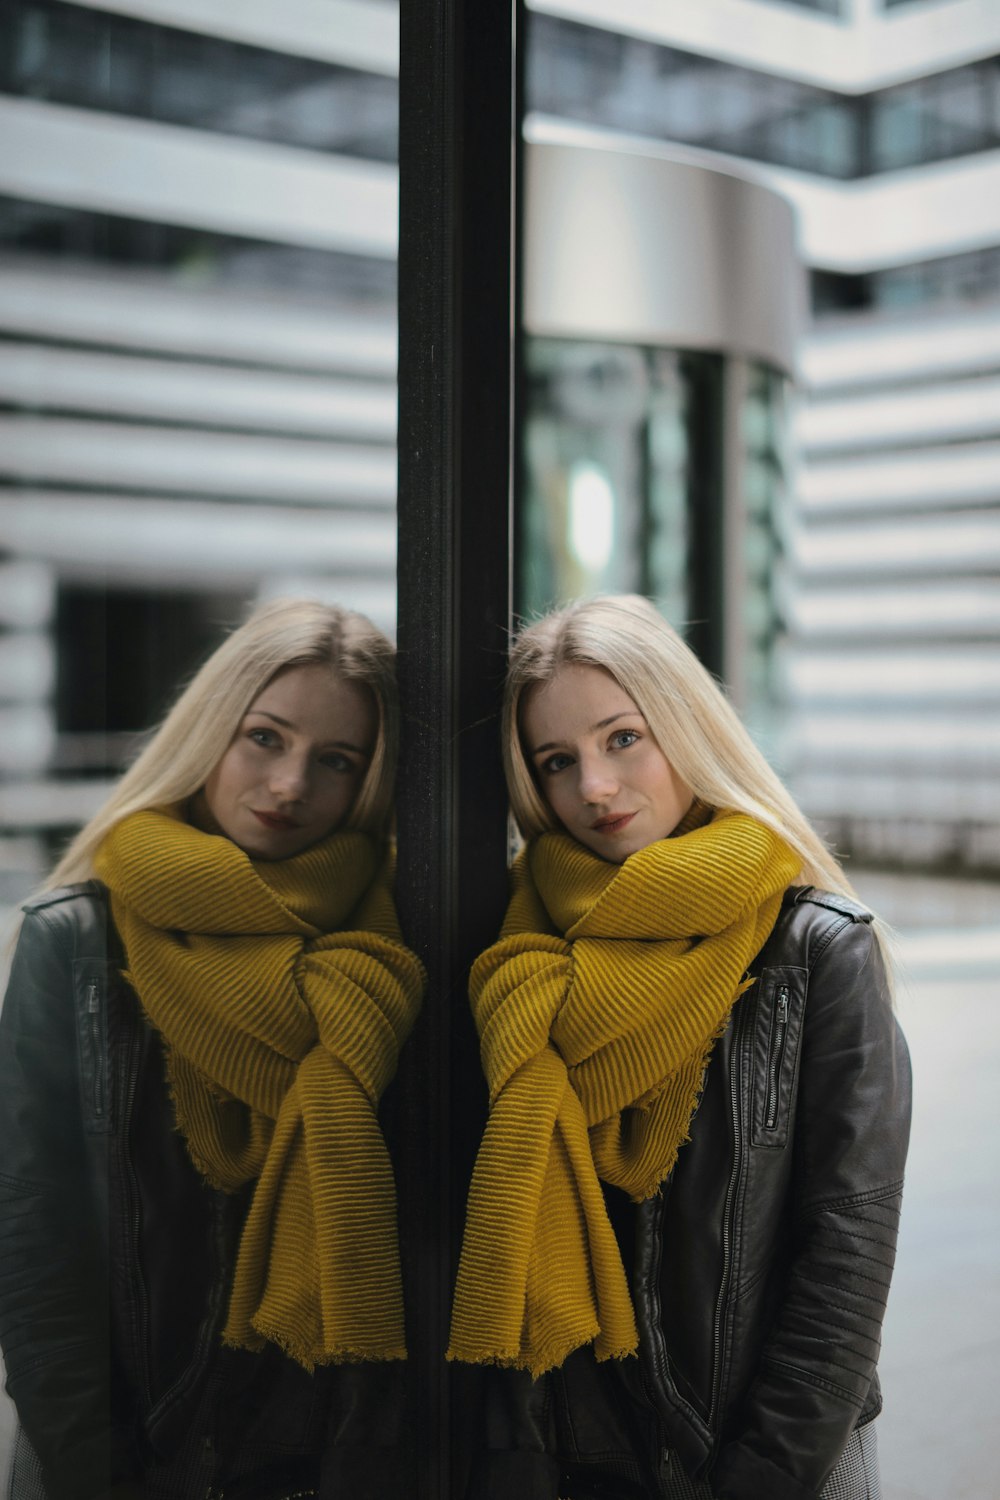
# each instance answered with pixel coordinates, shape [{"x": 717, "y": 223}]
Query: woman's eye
[
  {"x": 555, "y": 763},
  {"x": 337, "y": 762},
  {"x": 264, "y": 737},
  {"x": 622, "y": 738}
]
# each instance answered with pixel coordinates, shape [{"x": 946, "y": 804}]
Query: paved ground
[
  {"x": 941, "y": 1347},
  {"x": 941, "y": 1352}
]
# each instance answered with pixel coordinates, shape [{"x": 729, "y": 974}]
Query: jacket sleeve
[
  {"x": 852, "y": 1131},
  {"x": 54, "y": 1291}
]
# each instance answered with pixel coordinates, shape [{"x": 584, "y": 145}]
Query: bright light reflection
[{"x": 591, "y": 516}]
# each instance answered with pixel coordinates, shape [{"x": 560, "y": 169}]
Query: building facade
[
  {"x": 197, "y": 382},
  {"x": 881, "y": 124}
]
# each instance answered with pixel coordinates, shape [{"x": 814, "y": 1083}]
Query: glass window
[
  {"x": 147, "y": 641},
  {"x": 70, "y": 54},
  {"x": 624, "y": 490},
  {"x": 194, "y": 255},
  {"x": 636, "y": 86}
]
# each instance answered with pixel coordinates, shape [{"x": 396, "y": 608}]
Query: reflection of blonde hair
[
  {"x": 198, "y": 729},
  {"x": 690, "y": 719}
]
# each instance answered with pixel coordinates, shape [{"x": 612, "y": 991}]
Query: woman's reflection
[{"x": 200, "y": 1288}]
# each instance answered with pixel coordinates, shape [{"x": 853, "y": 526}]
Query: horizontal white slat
[
  {"x": 903, "y": 739},
  {"x": 374, "y": 597},
  {"x": 27, "y": 666},
  {"x": 173, "y": 175},
  {"x": 968, "y": 672},
  {"x": 882, "y": 795},
  {"x": 27, "y": 593},
  {"x": 353, "y": 33},
  {"x": 867, "y": 613},
  {"x": 119, "y": 385},
  {"x": 27, "y": 737},
  {"x": 949, "y": 476},
  {"x": 189, "y": 544},
  {"x": 873, "y": 350},
  {"x": 141, "y": 310},
  {"x": 968, "y": 409},
  {"x": 51, "y": 804},
  {"x": 951, "y": 544},
  {"x": 57, "y": 450},
  {"x": 896, "y": 218},
  {"x": 867, "y": 49}
]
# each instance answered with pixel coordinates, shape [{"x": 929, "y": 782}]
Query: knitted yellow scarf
[
  {"x": 281, "y": 1033},
  {"x": 596, "y": 1012}
]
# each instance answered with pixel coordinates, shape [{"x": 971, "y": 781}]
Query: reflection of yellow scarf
[
  {"x": 281, "y": 1034},
  {"x": 596, "y": 1012}
]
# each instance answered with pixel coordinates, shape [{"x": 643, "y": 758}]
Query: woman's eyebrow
[
  {"x": 623, "y": 713},
  {"x": 285, "y": 723}
]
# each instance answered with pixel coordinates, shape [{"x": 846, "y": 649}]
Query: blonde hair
[
  {"x": 197, "y": 731},
  {"x": 686, "y": 710}
]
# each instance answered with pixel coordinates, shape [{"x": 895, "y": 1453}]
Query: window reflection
[
  {"x": 197, "y": 389},
  {"x": 625, "y": 83},
  {"x": 72, "y": 55},
  {"x": 626, "y": 489}
]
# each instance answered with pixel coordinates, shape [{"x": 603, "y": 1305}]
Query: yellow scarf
[
  {"x": 281, "y": 1033},
  {"x": 596, "y": 1012}
]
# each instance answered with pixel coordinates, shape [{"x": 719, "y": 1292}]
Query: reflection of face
[
  {"x": 597, "y": 764},
  {"x": 295, "y": 764}
]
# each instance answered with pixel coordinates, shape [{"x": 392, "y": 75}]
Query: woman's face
[
  {"x": 597, "y": 764},
  {"x": 295, "y": 764}
]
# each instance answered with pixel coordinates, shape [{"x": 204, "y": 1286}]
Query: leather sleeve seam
[
  {"x": 814, "y": 1380},
  {"x": 873, "y": 1195},
  {"x": 24, "y": 1187}
]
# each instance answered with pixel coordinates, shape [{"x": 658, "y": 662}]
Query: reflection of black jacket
[
  {"x": 761, "y": 1272},
  {"x": 115, "y": 1257}
]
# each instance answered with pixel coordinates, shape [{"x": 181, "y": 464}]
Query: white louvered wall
[
  {"x": 894, "y": 677},
  {"x": 160, "y": 436}
]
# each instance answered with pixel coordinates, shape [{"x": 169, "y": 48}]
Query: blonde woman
[
  {"x": 682, "y": 1221},
  {"x": 200, "y": 1288}
]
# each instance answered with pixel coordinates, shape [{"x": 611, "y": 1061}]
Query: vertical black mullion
[{"x": 457, "y": 133}]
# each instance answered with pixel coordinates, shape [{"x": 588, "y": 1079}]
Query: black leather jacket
[
  {"x": 116, "y": 1258},
  {"x": 761, "y": 1272}
]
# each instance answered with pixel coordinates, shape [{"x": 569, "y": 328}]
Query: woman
[
  {"x": 200, "y": 1280},
  {"x": 694, "y": 1073}
]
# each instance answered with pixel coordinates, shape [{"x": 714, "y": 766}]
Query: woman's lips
[
  {"x": 613, "y": 824},
  {"x": 275, "y": 821}
]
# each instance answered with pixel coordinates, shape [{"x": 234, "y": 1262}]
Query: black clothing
[
  {"x": 761, "y": 1271},
  {"x": 116, "y": 1257}
]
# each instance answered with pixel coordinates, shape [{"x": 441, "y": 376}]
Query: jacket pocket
[
  {"x": 90, "y": 991},
  {"x": 780, "y": 1007}
]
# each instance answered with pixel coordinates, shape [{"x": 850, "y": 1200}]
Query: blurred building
[
  {"x": 197, "y": 375},
  {"x": 197, "y": 371},
  {"x": 880, "y": 121}
]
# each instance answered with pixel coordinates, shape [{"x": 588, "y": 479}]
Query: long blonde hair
[
  {"x": 197, "y": 731},
  {"x": 686, "y": 710}
]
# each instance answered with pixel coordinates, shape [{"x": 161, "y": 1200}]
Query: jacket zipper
[
  {"x": 728, "y": 1217},
  {"x": 777, "y": 1052},
  {"x": 94, "y": 1030}
]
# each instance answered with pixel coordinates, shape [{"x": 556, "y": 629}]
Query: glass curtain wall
[{"x": 643, "y": 472}]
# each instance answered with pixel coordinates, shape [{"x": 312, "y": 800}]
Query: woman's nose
[
  {"x": 289, "y": 779},
  {"x": 597, "y": 780}
]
